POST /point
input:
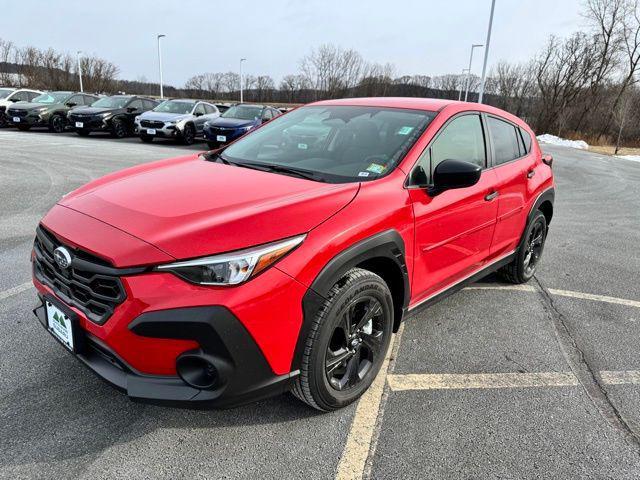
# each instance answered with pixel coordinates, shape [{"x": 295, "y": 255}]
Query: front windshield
[
  {"x": 243, "y": 112},
  {"x": 337, "y": 143},
  {"x": 4, "y": 92},
  {"x": 111, "y": 102},
  {"x": 173, "y": 106},
  {"x": 54, "y": 97}
]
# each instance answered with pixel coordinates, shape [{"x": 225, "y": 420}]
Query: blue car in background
[{"x": 237, "y": 121}]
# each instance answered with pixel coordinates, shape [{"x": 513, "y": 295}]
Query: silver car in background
[{"x": 180, "y": 119}]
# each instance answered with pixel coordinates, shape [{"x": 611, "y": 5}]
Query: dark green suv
[{"x": 47, "y": 110}]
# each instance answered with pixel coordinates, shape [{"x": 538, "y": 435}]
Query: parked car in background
[
  {"x": 9, "y": 96},
  {"x": 181, "y": 119},
  {"x": 114, "y": 115},
  {"x": 269, "y": 266},
  {"x": 47, "y": 110},
  {"x": 237, "y": 121}
]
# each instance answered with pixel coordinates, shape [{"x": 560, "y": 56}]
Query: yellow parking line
[
  {"x": 597, "y": 298},
  {"x": 356, "y": 450},
  {"x": 625, "y": 377},
  {"x": 561, "y": 293},
  {"x": 15, "y": 290},
  {"x": 448, "y": 381},
  {"x": 481, "y": 380}
]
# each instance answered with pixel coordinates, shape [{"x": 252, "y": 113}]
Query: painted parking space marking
[
  {"x": 361, "y": 435},
  {"x": 561, "y": 293},
  {"x": 447, "y": 381},
  {"x": 15, "y": 290}
]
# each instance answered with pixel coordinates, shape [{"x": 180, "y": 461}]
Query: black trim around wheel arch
[
  {"x": 388, "y": 245},
  {"x": 548, "y": 195}
]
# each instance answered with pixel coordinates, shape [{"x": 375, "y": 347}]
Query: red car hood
[{"x": 190, "y": 207}]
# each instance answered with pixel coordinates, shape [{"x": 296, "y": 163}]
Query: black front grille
[
  {"x": 17, "y": 112},
  {"x": 151, "y": 124},
  {"x": 87, "y": 284}
]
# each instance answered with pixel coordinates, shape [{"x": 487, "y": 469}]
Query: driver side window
[{"x": 461, "y": 139}]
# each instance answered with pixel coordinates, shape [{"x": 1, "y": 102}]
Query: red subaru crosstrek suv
[{"x": 285, "y": 260}]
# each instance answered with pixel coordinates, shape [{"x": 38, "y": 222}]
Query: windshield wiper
[{"x": 297, "y": 172}]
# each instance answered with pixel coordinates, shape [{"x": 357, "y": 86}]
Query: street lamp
[
  {"x": 160, "y": 64},
  {"x": 486, "y": 52},
  {"x": 241, "y": 60},
  {"x": 460, "y": 91},
  {"x": 466, "y": 93},
  {"x": 78, "y": 53}
]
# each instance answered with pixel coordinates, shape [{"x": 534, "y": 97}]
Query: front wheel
[
  {"x": 57, "y": 124},
  {"x": 188, "y": 134},
  {"x": 348, "y": 341},
  {"x": 523, "y": 266},
  {"x": 118, "y": 129}
]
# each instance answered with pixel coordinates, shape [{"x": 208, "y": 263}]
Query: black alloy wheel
[
  {"x": 347, "y": 343},
  {"x": 118, "y": 129},
  {"x": 188, "y": 135},
  {"x": 527, "y": 257},
  {"x": 355, "y": 344},
  {"x": 57, "y": 123}
]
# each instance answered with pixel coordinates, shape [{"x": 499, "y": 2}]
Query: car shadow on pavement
[{"x": 68, "y": 413}]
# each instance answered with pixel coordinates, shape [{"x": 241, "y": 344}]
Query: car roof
[{"x": 430, "y": 104}]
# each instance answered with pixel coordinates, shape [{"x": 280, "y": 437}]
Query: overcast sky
[{"x": 429, "y": 37}]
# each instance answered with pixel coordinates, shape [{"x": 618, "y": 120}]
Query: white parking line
[
  {"x": 561, "y": 293},
  {"x": 448, "y": 381},
  {"x": 15, "y": 290}
]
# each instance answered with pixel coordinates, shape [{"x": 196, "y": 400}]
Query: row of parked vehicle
[{"x": 184, "y": 120}]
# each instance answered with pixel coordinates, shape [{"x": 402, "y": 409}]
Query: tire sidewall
[
  {"x": 52, "y": 123},
  {"x": 188, "y": 138},
  {"x": 522, "y": 250},
  {"x": 327, "y": 396}
]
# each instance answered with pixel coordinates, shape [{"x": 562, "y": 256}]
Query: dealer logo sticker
[{"x": 62, "y": 257}]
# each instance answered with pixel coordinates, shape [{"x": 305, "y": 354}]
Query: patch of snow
[
  {"x": 563, "y": 142},
  {"x": 633, "y": 158}
]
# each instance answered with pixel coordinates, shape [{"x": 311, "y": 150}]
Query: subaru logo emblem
[{"x": 62, "y": 257}]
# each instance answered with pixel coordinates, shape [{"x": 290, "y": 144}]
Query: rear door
[
  {"x": 453, "y": 230},
  {"x": 200, "y": 118},
  {"x": 514, "y": 166}
]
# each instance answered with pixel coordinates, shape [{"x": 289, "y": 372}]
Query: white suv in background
[{"x": 9, "y": 96}]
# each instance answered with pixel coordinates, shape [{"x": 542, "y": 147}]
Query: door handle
[
  {"x": 531, "y": 173},
  {"x": 491, "y": 196}
]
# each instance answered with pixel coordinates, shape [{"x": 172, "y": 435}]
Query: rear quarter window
[
  {"x": 504, "y": 139},
  {"x": 526, "y": 138}
]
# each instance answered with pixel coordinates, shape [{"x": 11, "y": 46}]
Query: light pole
[
  {"x": 486, "y": 52},
  {"x": 460, "y": 91},
  {"x": 466, "y": 93},
  {"x": 160, "y": 64},
  {"x": 78, "y": 53},
  {"x": 241, "y": 60}
]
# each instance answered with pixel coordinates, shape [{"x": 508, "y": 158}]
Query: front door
[{"x": 453, "y": 230}]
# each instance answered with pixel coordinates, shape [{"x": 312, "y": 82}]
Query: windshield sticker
[
  {"x": 302, "y": 146},
  {"x": 363, "y": 174},
  {"x": 375, "y": 168},
  {"x": 405, "y": 130}
]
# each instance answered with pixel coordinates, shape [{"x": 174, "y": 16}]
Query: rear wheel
[
  {"x": 118, "y": 129},
  {"x": 146, "y": 138},
  {"x": 348, "y": 341},
  {"x": 57, "y": 123},
  {"x": 188, "y": 134},
  {"x": 523, "y": 266}
]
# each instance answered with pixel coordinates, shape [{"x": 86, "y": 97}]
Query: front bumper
[
  {"x": 242, "y": 373},
  {"x": 211, "y": 134},
  {"x": 31, "y": 119},
  {"x": 92, "y": 124}
]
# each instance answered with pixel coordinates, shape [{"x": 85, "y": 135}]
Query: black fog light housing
[{"x": 198, "y": 370}]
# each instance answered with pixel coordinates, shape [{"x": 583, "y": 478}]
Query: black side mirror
[
  {"x": 450, "y": 174},
  {"x": 14, "y": 100},
  {"x": 197, "y": 114},
  {"x": 71, "y": 104},
  {"x": 132, "y": 109}
]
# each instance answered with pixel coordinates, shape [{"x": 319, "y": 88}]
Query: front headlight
[
  {"x": 39, "y": 109},
  {"x": 234, "y": 267},
  {"x": 246, "y": 129},
  {"x": 105, "y": 115}
]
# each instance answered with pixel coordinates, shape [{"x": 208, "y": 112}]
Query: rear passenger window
[
  {"x": 504, "y": 139},
  {"x": 526, "y": 138},
  {"x": 210, "y": 109}
]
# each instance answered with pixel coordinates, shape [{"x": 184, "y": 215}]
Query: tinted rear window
[{"x": 504, "y": 139}]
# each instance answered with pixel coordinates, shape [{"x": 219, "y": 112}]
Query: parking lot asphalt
[{"x": 492, "y": 382}]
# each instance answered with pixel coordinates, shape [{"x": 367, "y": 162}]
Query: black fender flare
[
  {"x": 384, "y": 245},
  {"x": 547, "y": 195}
]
